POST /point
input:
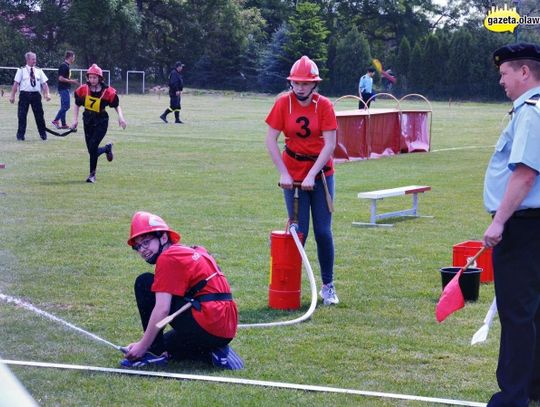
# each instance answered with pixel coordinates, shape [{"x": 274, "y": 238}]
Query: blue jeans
[
  {"x": 64, "y": 106},
  {"x": 315, "y": 202}
]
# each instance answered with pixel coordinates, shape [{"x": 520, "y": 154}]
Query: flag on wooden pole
[{"x": 452, "y": 298}]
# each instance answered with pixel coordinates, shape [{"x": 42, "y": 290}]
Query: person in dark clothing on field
[
  {"x": 176, "y": 86},
  {"x": 95, "y": 96},
  {"x": 64, "y": 85}
]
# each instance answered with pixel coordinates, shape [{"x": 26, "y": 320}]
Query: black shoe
[
  {"x": 43, "y": 137},
  {"x": 20, "y": 138},
  {"x": 179, "y": 121},
  {"x": 108, "y": 152},
  {"x": 164, "y": 118}
]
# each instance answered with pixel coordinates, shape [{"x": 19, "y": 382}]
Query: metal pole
[{"x": 516, "y": 31}]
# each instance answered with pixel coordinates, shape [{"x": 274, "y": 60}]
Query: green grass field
[{"x": 63, "y": 249}]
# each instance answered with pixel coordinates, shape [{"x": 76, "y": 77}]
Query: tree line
[{"x": 249, "y": 45}]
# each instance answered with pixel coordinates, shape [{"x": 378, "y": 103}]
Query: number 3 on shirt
[
  {"x": 305, "y": 127},
  {"x": 92, "y": 103}
]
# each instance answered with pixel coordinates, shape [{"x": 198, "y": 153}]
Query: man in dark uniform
[
  {"x": 512, "y": 196},
  {"x": 176, "y": 86}
]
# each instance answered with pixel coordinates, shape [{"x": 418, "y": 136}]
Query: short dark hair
[
  {"x": 69, "y": 54},
  {"x": 371, "y": 70},
  {"x": 534, "y": 66}
]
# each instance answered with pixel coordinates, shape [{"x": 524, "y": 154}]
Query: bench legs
[{"x": 374, "y": 217}]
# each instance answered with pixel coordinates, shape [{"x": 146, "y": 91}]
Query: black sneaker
[
  {"x": 162, "y": 117},
  {"x": 91, "y": 178},
  {"x": 43, "y": 137},
  {"x": 179, "y": 121},
  {"x": 108, "y": 152}
]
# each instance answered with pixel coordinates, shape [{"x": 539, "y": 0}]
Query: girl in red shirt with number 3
[{"x": 308, "y": 122}]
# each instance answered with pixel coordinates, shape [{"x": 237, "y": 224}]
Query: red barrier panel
[
  {"x": 415, "y": 134},
  {"x": 372, "y": 133}
]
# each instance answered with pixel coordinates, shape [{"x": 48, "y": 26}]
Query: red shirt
[
  {"x": 181, "y": 267},
  {"x": 302, "y": 127}
]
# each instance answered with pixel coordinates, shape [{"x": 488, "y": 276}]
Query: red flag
[{"x": 451, "y": 298}]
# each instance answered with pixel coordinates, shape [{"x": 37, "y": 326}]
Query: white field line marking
[
  {"x": 460, "y": 148},
  {"x": 233, "y": 380}
]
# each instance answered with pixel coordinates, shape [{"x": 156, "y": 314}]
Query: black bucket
[{"x": 469, "y": 281}]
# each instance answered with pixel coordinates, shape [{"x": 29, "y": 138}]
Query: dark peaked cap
[{"x": 514, "y": 52}]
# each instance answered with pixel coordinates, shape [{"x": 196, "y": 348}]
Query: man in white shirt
[{"x": 30, "y": 81}]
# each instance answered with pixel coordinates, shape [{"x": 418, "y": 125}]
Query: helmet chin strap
[
  {"x": 153, "y": 259},
  {"x": 304, "y": 98}
]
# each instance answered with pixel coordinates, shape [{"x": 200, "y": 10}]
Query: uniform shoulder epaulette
[{"x": 533, "y": 100}]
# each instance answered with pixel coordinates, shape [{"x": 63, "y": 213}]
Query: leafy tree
[
  {"x": 461, "y": 55},
  {"x": 274, "y": 64},
  {"x": 430, "y": 65},
  {"x": 226, "y": 44},
  {"x": 307, "y": 36},
  {"x": 353, "y": 56},
  {"x": 107, "y": 32},
  {"x": 274, "y": 12},
  {"x": 13, "y": 46},
  {"x": 386, "y": 22},
  {"x": 415, "y": 80},
  {"x": 167, "y": 27},
  {"x": 402, "y": 63},
  {"x": 331, "y": 61}
]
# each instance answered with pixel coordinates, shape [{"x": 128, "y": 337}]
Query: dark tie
[{"x": 32, "y": 77}]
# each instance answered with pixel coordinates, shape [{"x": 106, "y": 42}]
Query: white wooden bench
[{"x": 375, "y": 196}]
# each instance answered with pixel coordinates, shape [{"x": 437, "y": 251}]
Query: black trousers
[
  {"x": 365, "y": 97},
  {"x": 187, "y": 339},
  {"x": 95, "y": 128},
  {"x": 516, "y": 264},
  {"x": 174, "y": 103},
  {"x": 27, "y": 99}
]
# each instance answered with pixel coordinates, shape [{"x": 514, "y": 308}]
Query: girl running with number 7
[{"x": 95, "y": 96}]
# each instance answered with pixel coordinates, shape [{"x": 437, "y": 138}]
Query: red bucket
[
  {"x": 285, "y": 272},
  {"x": 464, "y": 250}
]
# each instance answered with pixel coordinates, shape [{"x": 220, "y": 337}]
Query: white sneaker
[{"x": 328, "y": 294}]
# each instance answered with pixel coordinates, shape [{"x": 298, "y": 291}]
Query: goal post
[{"x": 143, "y": 76}]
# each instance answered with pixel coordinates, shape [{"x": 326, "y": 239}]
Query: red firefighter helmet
[
  {"x": 96, "y": 70},
  {"x": 146, "y": 222},
  {"x": 304, "y": 70}
]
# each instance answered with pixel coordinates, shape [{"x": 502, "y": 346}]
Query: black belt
[
  {"x": 527, "y": 213},
  {"x": 300, "y": 157},
  {"x": 196, "y": 302},
  {"x": 304, "y": 157}
]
